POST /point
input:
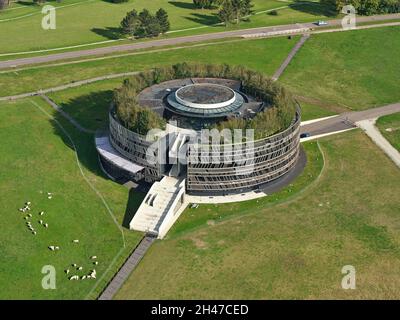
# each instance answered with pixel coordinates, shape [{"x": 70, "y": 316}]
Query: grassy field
[
  {"x": 340, "y": 83},
  {"x": 357, "y": 69},
  {"x": 312, "y": 111},
  {"x": 292, "y": 249},
  {"x": 88, "y": 21},
  {"x": 390, "y": 128},
  {"x": 263, "y": 54},
  {"x": 37, "y": 157}
]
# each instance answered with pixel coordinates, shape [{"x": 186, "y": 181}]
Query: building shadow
[
  {"x": 90, "y": 110},
  {"x": 111, "y": 33},
  {"x": 136, "y": 196}
]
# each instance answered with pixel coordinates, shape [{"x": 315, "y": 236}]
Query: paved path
[
  {"x": 67, "y": 86},
  {"x": 347, "y": 120},
  {"x": 373, "y": 132},
  {"x": 291, "y": 55},
  {"x": 175, "y": 41},
  {"x": 129, "y": 265}
]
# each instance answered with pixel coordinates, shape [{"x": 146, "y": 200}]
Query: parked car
[
  {"x": 321, "y": 23},
  {"x": 305, "y": 135}
]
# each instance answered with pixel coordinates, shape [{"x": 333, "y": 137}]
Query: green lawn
[
  {"x": 291, "y": 249},
  {"x": 355, "y": 69},
  {"x": 36, "y": 158},
  {"x": 312, "y": 111},
  {"x": 390, "y": 128},
  {"x": 88, "y": 21},
  {"x": 264, "y": 55}
]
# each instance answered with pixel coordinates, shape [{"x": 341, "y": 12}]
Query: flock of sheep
[
  {"x": 26, "y": 208},
  {"x": 92, "y": 273}
]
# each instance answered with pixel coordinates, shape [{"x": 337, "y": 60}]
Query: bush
[
  {"x": 119, "y": 1},
  {"x": 273, "y": 13},
  {"x": 277, "y": 115}
]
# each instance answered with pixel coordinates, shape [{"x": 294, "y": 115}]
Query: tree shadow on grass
[
  {"x": 204, "y": 19},
  {"x": 26, "y": 3},
  {"x": 313, "y": 8},
  {"x": 111, "y": 33},
  {"x": 183, "y": 5}
]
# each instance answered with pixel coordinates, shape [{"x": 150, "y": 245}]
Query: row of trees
[
  {"x": 145, "y": 24},
  {"x": 366, "y": 7},
  {"x": 277, "y": 116}
]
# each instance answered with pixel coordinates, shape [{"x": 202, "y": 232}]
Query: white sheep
[
  {"x": 29, "y": 215},
  {"x": 95, "y": 263},
  {"x": 66, "y": 271},
  {"x": 40, "y": 221},
  {"x": 83, "y": 277},
  {"x": 34, "y": 233},
  {"x": 57, "y": 248},
  {"x": 74, "y": 264},
  {"x": 46, "y": 225},
  {"x": 93, "y": 257},
  {"x": 28, "y": 203},
  {"x": 41, "y": 213},
  {"x": 75, "y": 241},
  {"x": 79, "y": 268},
  {"x": 51, "y": 248}
]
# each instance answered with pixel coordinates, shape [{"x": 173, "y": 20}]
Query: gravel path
[{"x": 373, "y": 132}]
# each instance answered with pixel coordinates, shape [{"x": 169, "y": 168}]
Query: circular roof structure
[
  {"x": 205, "y": 100},
  {"x": 205, "y": 96}
]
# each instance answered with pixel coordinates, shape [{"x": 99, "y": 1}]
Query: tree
[
  {"x": 205, "y": 4},
  {"x": 162, "y": 18},
  {"x": 130, "y": 23},
  {"x": 226, "y": 14},
  {"x": 145, "y": 24},
  {"x": 241, "y": 8},
  {"x": 234, "y": 10}
]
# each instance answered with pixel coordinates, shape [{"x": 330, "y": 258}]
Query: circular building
[{"x": 216, "y": 136}]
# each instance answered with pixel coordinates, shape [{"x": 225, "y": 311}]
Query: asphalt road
[
  {"x": 175, "y": 41},
  {"x": 347, "y": 120}
]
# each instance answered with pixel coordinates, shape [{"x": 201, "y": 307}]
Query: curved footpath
[{"x": 188, "y": 39}]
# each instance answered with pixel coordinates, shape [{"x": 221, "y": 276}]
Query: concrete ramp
[{"x": 161, "y": 207}]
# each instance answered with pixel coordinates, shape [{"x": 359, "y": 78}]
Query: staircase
[{"x": 161, "y": 207}]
